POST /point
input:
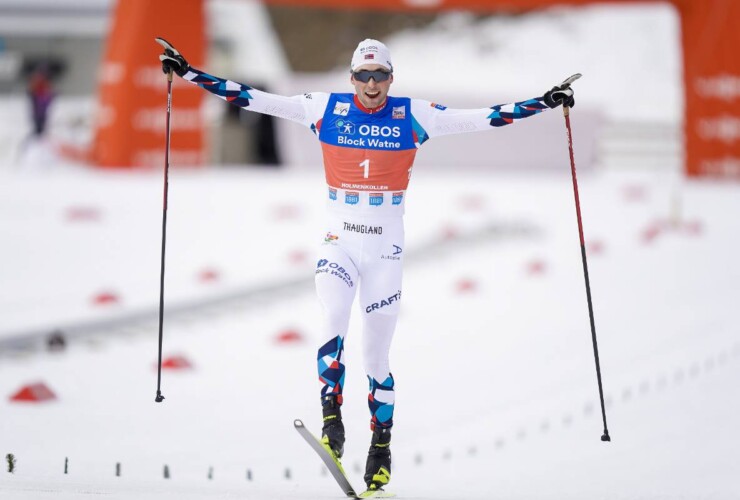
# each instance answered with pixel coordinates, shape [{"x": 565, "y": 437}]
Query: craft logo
[
  {"x": 332, "y": 194},
  {"x": 341, "y": 108},
  {"x": 438, "y": 106},
  {"x": 345, "y": 127},
  {"x": 331, "y": 238},
  {"x": 397, "y": 198},
  {"x": 351, "y": 197},
  {"x": 399, "y": 113},
  {"x": 376, "y": 199},
  {"x": 383, "y": 303}
]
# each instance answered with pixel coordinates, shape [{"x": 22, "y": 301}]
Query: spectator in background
[{"x": 41, "y": 95}]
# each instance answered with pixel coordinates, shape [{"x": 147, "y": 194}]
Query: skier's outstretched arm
[
  {"x": 300, "y": 108},
  {"x": 437, "y": 120}
]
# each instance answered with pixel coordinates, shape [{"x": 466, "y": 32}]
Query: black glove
[
  {"x": 561, "y": 94},
  {"x": 172, "y": 60}
]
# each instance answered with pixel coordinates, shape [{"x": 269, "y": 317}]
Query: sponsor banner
[
  {"x": 132, "y": 90},
  {"x": 712, "y": 83}
]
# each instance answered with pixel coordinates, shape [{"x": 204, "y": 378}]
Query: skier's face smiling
[{"x": 372, "y": 94}]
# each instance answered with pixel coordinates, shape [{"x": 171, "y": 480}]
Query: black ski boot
[
  {"x": 332, "y": 434},
  {"x": 378, "y": 468}
]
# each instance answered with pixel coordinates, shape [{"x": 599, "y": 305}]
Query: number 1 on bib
[{"x": 366, "y": 164}]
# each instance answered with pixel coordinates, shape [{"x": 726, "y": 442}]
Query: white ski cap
[{"x": 371, "y": 51}]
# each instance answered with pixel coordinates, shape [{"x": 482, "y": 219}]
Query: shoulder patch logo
[
  {"x": 399, "y": 113},
  {"x": 341, "y": 108}
]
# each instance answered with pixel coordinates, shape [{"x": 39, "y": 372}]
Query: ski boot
[
  {"x": 378, "y": 467},
  {"x": 332, "y": 434}
]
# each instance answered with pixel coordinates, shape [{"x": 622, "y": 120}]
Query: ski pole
[
  {"x": 566, "y": 113},
  {"x": 160, "y": 397}
]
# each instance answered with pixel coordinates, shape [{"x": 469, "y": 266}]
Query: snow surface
[{"x": 497, "y": 396}]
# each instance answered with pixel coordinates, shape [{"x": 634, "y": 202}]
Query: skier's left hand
[{"x": 560, "y": 94}]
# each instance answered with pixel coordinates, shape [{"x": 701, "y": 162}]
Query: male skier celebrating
[{"x": 369, "y": 140}]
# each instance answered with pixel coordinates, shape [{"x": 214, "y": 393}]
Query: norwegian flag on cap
[{"x": 373, "y": 52}]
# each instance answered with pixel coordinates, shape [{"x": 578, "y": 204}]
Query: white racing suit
[{"x": 368, "y": 157}]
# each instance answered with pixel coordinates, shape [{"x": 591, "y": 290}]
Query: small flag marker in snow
[
  {"x": 209, "y": 275},
  {"x": 595, "y": 247},
  {"x": 177, "y": 362},
  {"x": 536, "y": 267},
  {"x": 82, "y": 214},
  {"x": 298, "y": 256},
  {"x": 289, "y": 337},
  {"x": 466, "y": 285},
  {"x": 106, "y": 298},
  {"x": 34, "y": 393}
]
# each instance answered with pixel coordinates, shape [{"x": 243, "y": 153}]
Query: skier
[{"x": 369, "y": 140}]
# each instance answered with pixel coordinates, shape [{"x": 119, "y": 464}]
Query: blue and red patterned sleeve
[
  {"x": 435, "y": 120},
  {"x": 306, "y": 109}
]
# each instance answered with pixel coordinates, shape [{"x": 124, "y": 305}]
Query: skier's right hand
[{"x": 172, "y": 60}]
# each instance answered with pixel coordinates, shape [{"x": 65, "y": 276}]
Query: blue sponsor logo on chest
[
  {"x": 351, "y": 197},
  {"x": 376, "y": 199},
  {"x": 397, "y": 198}
]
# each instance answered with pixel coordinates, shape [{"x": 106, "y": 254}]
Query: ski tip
[{"x": 298, "y": 423}]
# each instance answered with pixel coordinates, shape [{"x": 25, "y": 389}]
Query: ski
[
  {"x": 335, "y": 466},
  {"x": 376, "y": 494},
  {"x": 330, "y": 460}
]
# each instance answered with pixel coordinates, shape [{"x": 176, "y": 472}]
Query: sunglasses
[{"x": 364, "y": 76}]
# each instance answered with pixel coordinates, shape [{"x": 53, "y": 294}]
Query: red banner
[
  {"x": 711, "y": 41},
  {"x": 132, "y": 97}
]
